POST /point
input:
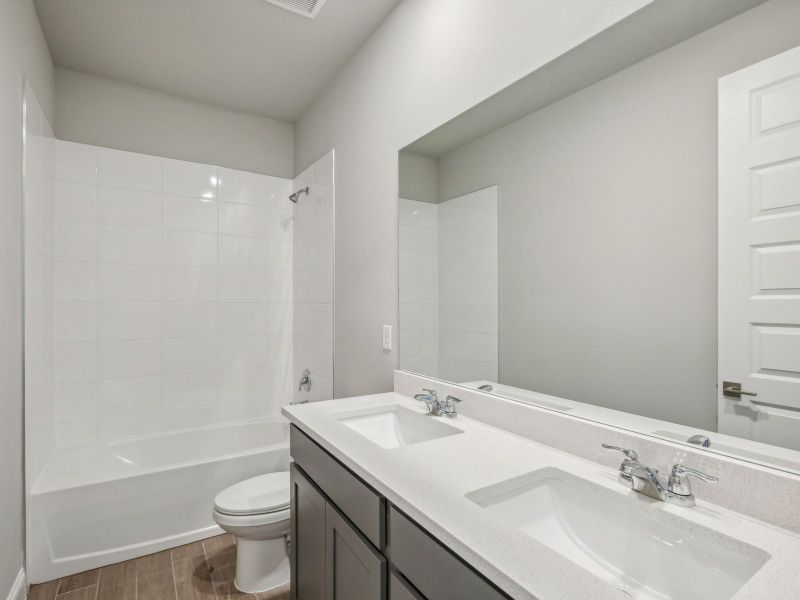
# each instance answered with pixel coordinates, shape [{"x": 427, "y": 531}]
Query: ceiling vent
[{"x": 307, "y": 8}]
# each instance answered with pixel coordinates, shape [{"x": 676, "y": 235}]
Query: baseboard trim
[{"x": 19, "y": 590}]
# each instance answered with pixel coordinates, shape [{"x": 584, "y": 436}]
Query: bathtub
[{"x": 103, "y": 503}]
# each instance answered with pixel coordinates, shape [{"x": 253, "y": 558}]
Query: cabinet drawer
[
  {"x": 430, "y": 567},
  {"x": 359, "y": 502}
]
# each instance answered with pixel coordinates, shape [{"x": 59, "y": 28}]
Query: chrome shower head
[{"x": 296, "y": 196}]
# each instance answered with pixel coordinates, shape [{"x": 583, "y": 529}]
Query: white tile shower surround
[
  {"x": 313, "y": 280},
  {"x": 759, "y": 492},
  {"x": 173, "y": 291},
  {"x": 448, "y": 286},
  {"x": 38, "y": 211}
]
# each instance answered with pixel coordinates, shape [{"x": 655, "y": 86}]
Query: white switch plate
[{"x": 387, "y": 337}]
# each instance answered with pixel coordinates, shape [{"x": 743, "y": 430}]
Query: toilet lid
[{"x": 255, "y": 496}]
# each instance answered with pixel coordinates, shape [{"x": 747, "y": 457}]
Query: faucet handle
[
  {"x": 630, "y": 454},
  {"x": 679, "y": 479},
  {"x": 450, "y": 406}
]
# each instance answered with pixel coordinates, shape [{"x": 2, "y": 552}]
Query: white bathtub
[{"x": 103, "y": 503}]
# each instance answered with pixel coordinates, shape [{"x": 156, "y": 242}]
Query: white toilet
[{"x": 256, "y": 512}]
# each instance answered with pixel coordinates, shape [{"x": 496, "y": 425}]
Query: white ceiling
[{"x": 246, "y": 55}]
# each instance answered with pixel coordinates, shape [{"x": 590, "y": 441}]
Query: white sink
[
  {"x": 645, "y": 553},
  {"x": 393, "y": 425}
]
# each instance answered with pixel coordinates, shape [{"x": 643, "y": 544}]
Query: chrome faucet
[
  {"x": 645, "y": 480},
  {"x": 700, "y": 440},
  {"x": 305, "y": 381},
  {"x": 436, "y": 407},
  {"x": 431, "y": 399}
]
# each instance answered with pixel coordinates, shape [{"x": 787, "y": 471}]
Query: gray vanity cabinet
[
  {"x": 349, "y": 543},
  {"x": 307, "y": 538},
  {"x": 400, "y": 589},
  {"x": 353, "y": 569},
  {"x": 331, "y": 560},
  {"x": 432, "y": 568}
]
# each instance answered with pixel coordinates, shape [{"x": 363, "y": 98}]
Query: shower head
[{"x": 296, "y": 196}]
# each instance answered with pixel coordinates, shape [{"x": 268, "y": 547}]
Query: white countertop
[{"x": 428, "y": 481}]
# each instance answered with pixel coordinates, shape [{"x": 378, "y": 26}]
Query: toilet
[{"x": 256, "y": 512}]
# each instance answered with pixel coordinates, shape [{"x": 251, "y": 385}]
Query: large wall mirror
[{"x": 618, "y": 238}]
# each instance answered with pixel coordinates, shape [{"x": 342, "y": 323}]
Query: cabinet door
[
  {"x": 353, "y": 569},
  {"x": 400, "y": 590},
  {"x": 308, "y": 538}
]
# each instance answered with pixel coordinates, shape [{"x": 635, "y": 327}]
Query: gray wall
[
  {"x": 415, "y": 72},
  {"x": 418, "y": 177},
  {"x": 608, "y": 243},
  {"x": 23, "y": 54},
  {"x": 109, "y": 113}
]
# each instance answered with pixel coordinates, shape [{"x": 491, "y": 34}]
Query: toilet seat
[{"x": 262, "y": 495}]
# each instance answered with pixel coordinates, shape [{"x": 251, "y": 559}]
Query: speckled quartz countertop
[{"x": 429, "y": 480}]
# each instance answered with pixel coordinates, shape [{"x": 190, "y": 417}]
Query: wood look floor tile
[
  {"x": 153, "y": 563},
  {"x": 87, "y": 593},
  {"x": 78, "y": 581},
  {"x": 193, "y": 579},
  {"x": 44, "y": 591},
  {"x": 223, "y": 567},
  {"x": 188, "y": 551},
  {"x": 281, "y": 593},
  {"x": 218, "y": 544},
  {"x": 156, "y": 585},
  {"x": 118, "y": 581},
  {"x": 201, "y": 570},
  {"x": 228, "y": 591}
]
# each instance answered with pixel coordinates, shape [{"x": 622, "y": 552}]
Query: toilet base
[{"x": 261, "y": 565}]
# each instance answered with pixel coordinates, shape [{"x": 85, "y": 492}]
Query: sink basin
[
  {"x": 647, "y": 554},
  {"x": 394, "y": 426}
]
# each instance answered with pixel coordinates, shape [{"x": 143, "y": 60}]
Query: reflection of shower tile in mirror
[
  {"x": 448, "y": 286},
  {"x": 468, "y": 286},
  {"x": 418, "y": 336}
]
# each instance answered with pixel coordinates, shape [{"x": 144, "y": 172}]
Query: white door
[{"x": 759, "y": 250}]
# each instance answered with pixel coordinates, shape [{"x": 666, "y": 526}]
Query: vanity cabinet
[
  {"x": 354, "y": 570},
  {"x": 349, "y": 543},
  {"x": 429, "y": 566},
  {"x": 307, "y": 538},
  {"x": 331, "y": 559}
]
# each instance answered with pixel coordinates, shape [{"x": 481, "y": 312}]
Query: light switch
[{"x": 387, "y": 337}]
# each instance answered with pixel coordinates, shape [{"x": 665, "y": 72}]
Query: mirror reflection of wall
[
  {"x": 448, "y": 277},
  {"x": 608, "y": 258}
]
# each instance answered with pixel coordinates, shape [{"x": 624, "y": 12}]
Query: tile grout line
[
  {"x": 208, "y": 566},
  {"x": 162, "y": 399},
  {"x": 174, "y": 579}
]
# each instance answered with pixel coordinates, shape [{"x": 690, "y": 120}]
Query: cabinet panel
[
  {"x": 308, "y": 538},
  {"x": 360, "y": 503},
  {"x": 430, "y": 567},
  {"x": 353, "y": 569},
  {"x": 399, "y": 590}
]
